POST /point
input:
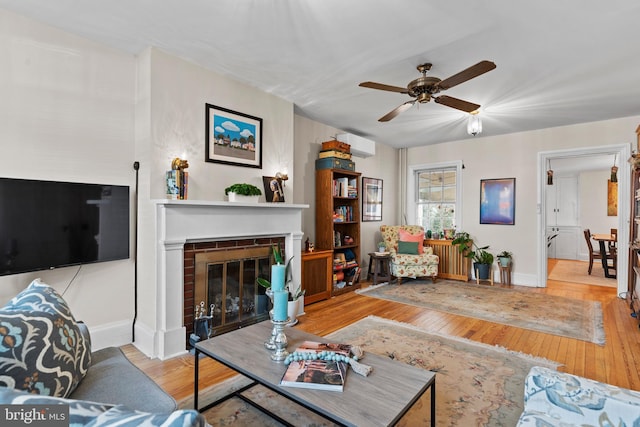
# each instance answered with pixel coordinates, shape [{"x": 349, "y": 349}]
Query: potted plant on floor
[
  {"x": 243, "y": 193},
  {"x": 504, "y": 258},
  {"x": 482, "y": 261},
  {"x": 481, "y": 257}
]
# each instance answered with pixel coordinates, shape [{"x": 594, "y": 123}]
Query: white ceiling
[{"x": 558, "y": 62}]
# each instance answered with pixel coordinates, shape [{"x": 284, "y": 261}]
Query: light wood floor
[{"x": 617, "y": 362}]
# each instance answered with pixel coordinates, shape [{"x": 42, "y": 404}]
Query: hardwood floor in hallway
[{"x": 617, "y": 362}]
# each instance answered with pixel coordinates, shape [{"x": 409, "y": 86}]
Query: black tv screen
[{"x": 47, "y": 224}]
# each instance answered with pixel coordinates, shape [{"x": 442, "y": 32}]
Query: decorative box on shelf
[{"x": 335, "y": 163}]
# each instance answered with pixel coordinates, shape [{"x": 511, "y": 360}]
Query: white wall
[
  {"x": 593, "y": 207},
  {"x": 515, "y": 155},
  {"x": 67, "y": 113}
]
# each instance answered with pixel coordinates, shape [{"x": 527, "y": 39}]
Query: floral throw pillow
[{"x": 42, "y": 349}]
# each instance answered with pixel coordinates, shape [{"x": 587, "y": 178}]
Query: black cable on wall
[{"x": 136, "y": 167}]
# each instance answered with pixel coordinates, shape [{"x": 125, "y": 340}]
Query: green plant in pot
[
  {"x": 481, "y": 257},
  {"x": 247, "y": 190},
  {"x": 504, "y": 258}
]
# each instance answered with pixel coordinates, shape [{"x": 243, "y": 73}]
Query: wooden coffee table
[{"x": 381, "y": 399}]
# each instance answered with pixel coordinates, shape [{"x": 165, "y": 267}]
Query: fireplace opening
[{"x": 221, "y": 290}]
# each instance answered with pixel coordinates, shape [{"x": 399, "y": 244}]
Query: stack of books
[{"x": 177, "y": 184}]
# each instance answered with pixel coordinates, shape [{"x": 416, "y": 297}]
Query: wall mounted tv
[{"x": 47, "y": 224}]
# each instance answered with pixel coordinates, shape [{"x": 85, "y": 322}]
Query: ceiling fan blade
[
  {"x": 380, "y": 86},
  {"x": 390, "y": 115},
  {"x": 468, "y": 74},
  {"x": 456, "y": 103}
]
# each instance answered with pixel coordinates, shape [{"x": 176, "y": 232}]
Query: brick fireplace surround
[
  {"x": 190, "y": 252},
  {"x": 181, "y": 222}
]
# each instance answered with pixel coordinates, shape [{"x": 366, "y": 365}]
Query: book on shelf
[
  {"x": 341, "y": 187},
  {"x": 355, "y": 276},
  {"x": 317, "y": 374},
  {"x": 177, "y": 184}
]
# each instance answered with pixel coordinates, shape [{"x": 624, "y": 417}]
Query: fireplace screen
[{"x": 226, "y": 291}]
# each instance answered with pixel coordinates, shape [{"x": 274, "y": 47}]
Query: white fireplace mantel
[{"x": 182, "y": 221}]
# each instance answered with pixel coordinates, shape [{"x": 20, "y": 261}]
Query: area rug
[
  {"x": 577, "y": 272},
  {"x": 476, "y": 384},
  {"x": 539, "y": 312}
]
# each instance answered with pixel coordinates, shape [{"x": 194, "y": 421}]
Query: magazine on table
[{"x": 317, "y": 374}]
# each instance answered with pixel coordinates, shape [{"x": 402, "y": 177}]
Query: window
[{"x": 436, "y": 198}]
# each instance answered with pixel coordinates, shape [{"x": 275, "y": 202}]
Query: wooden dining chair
[
  {"x": 592, "y": 254},
  {"x": 614, "y": 234}
]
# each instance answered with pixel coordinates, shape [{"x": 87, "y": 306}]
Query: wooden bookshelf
[{"x": 338, "y": 216}]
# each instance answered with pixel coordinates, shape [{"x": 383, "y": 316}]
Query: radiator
[{"x": 452, "y": 264}]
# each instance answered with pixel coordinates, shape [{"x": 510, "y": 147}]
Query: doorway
[{"x": 577, "y": 157}]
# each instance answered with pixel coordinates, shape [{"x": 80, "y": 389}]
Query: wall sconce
[
  {"x": 282, "y": 177},
  {"x": 549, "y": 173},
  {"x": 179, "y": 164},
  {"x": 474, "y": 124},
  {"x": 614, "y": 169}
]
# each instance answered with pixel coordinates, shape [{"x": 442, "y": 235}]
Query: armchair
[{"x": 404, "y": 261}]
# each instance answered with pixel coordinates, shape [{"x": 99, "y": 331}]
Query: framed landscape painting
[
  {"x": 498, "y": 201},
  {"x": 233, "y": 138}
]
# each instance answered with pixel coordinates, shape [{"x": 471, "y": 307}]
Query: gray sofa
[
  {"x": 46, "y": 358},
  {"x": 113, "y": 379}
]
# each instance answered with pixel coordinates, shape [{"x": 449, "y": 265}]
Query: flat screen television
[{"x": 48, "y": 224}]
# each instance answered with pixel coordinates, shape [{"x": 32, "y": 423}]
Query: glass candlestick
[
  {"x": 270, "y": 344},
  {"x": 280, "y": 340}
]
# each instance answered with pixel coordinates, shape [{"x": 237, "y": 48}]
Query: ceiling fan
[{"x": 423, "y": 88}]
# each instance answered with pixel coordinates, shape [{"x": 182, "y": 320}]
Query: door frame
[{"x": 623, "y": 151}]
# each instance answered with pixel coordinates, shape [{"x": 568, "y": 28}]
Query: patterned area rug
[
  {"x": 550, "y": 314},
  {"x": 476, "y": 384}
]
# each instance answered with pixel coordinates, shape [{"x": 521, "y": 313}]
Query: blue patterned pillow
[
  {"x": 42, "y": 349},
  {"x": 81, "y": 412},
  {"x": 124, "y": 417}
]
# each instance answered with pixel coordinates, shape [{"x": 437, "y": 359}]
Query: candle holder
[
  {"x": 279, "y": 340},
  {"x": 270, "y": 344}
]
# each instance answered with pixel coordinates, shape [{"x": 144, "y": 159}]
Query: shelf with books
[{"x": 338, "y": 220}]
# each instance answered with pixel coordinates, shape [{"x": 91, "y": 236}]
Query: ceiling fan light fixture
[{"x": 474, "y": 124}]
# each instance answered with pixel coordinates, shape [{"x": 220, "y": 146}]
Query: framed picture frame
[
  {"x": 232, "y": 138},
  {"x": 273, "y": 189},
  {"x": 371, "y": 199},
  {"x": 498, "y": 201}
]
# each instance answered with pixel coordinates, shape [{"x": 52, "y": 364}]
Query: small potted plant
[
  {"x": 243, "y": 193},
  {"x": 504, "y": 258},
  {"x": 382, "y": 247},
  {"x": 482, "y": 258}
]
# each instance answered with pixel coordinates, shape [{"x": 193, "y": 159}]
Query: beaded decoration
[{"x": 356, "y": 353}]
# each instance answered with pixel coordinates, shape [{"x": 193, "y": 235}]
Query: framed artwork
[
  {"x": 371, "y": 199},
  {"x": 612, "y": 198},
  {"x": 232, "y": 138},
  {"x": 273, "y": 191},
  {"x": 498, "y": 201}
]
